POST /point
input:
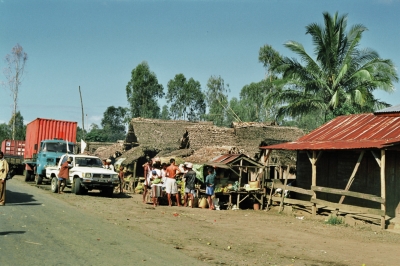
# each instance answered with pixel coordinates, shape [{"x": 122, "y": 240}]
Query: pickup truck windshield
[
  {"x": 88, "y": 161},
  {"x": 57, "y": 147}
]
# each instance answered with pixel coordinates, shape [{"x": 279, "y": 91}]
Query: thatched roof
[{"x": 203, "y": 141}]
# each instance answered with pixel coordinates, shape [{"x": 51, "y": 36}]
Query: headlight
[
  {"x": 87, "y": 175},
  {"x": 114, "y": 176}
]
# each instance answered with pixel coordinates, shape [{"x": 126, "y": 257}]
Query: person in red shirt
[
  {"x": 63, "y": 175},
  {"x": 170, "y": 185}
]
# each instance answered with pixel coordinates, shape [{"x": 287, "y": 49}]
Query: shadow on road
[
  {"x": 19, "y": 198},
  {"x": 12, "y": 232}
]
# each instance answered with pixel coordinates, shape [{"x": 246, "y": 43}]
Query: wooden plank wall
[{"x": 335, "y": 167}]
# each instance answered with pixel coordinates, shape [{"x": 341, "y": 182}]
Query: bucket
[
  {"x": 254, "y": 184},
  {"x": 203, "y": 203},
  {"x": 256, "y": 206}
]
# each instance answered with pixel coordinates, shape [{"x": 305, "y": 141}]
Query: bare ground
[{"x": 246, "y": 237}]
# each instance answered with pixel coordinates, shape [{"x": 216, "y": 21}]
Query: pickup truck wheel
[
  {"x": 27, "y": 176},
  {"x": 54, "y": 185},
  {"x": 39, "y": 180},
  {"x": 77, "y": 186}
]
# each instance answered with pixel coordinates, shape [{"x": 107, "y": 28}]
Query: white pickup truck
[{"x": 86, "y": 173}]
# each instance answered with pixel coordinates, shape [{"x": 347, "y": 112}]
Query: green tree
[
  {"x": 80, "y": 134},
  {"x": 114, "y": 123},
  {"x": 165, "y": 113},
  {"x": 236, "y": 105},
  {"x": 96, "y": 134},
  {"x": 340, "y": 75},
  {"x": 5, "y": 132},
  {"x": 142, "y": 92},
  {"x": 17, "y": 122},
  {"x": 217, "y": 101},
  {"x": 13, "y": 72},
  {"x": 186, "y": 98}
]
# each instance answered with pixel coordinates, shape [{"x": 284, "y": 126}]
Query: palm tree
[{"x": 341, "y": 74}]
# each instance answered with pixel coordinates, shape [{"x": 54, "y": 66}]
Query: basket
[{"x": 254, "y": 184}]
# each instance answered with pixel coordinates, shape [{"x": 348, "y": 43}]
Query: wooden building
[{"x": 351, "y": 164}]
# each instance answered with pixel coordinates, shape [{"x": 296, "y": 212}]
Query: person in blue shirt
[{"x": 210, "y": 185}]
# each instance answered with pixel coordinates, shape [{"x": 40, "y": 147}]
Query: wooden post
[
  {"x": 269, "y": 200},
  {"x": 314, "y": 180},
  {"x": 240, "y": 183},
  {"x": 263, "y": 188},
  {"x": 134, "y": 176},
  {"x": 383, "y": 188},
  {"x": 351, "y": 179}
]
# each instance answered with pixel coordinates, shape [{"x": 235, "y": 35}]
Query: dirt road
[{"x": 244, "y": 237}]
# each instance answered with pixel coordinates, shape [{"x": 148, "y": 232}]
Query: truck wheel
[
  {"x": 27, "y": 176},
  {"x": 39, "y": 180},
  {"x": 54, "y": 185},
  {"x": 77, "y": 186}
]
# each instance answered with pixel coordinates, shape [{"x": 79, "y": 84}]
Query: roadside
[{"x": 243, "y": 237}]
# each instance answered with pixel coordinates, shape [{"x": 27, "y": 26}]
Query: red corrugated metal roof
[
  {"x": 226, "y": 158},
  {"x": 359, "y": 131}
]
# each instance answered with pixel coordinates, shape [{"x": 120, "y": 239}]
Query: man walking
[
  {"x": 3, "y": 176},
  {"x": 170, "y": 185},
  {"x": 63, "y": 175},
  {"x": 190, "y": 179}
]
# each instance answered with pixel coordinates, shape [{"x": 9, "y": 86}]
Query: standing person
[
  {"x": 156, "y": 185},
  {"x": 170, "y": 185},
  {"x": 210, "y": 184},
  {"x": 147, "y": 168},
  {"x": 108, "y": 165},
  {"x": 163, "y": 178},
  {"x": 3, "y": 174},
  {"x": 63, "y": 175},
  {"x": 121, "y": 179},
  {"x": 190, "y": 179}
]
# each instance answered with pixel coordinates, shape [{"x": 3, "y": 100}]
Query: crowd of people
[{"x": 161, "y": 178}]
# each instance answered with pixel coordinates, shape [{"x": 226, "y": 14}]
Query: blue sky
[{"x": 95, "y": 44}]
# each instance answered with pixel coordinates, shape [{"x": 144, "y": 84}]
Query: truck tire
[
  {"x": 78, "y": 189},
  {"x": 27, "y": 176},
  {"x": 54, "y": 185},
  {"x": 39, "y": 180}
]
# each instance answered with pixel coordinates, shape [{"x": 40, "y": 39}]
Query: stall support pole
[
  {"x": 314, "y": 179},
  {"x": 383, "y": 187},
  {"x": 134, "y": 177}
]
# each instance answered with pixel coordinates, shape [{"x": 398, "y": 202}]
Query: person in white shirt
[{"x": 3, "y": 176}]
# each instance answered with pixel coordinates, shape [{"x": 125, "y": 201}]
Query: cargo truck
[
  {"x": 14, "y": 154},
  {"x": 46, "y": 141}
]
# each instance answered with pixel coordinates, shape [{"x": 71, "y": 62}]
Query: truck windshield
[
  {"x": 88, "y": 161},
  {"x": 58, "y": 147}
]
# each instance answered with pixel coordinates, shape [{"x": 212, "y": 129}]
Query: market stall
[{"x": 238, "y": 177}]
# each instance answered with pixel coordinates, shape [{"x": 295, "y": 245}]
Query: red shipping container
[
  {"x": 42, "y": 128},
  {"x": 13, "y": 147}
]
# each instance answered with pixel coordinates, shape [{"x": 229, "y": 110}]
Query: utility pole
[{"x": 83, "y": 121}]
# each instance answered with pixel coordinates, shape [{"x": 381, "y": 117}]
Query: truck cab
[{"x": 49, "y": 154}]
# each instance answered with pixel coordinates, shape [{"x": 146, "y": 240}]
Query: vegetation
[
  {"x": 340, "y": 79},
  {"x": 14, "y": 72},
  {"x": 186, "y": 98},
  {"x": 142, "y": 92},
  {"x": 19, "y": 127},
  {"x": 334, "y": 220}
]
